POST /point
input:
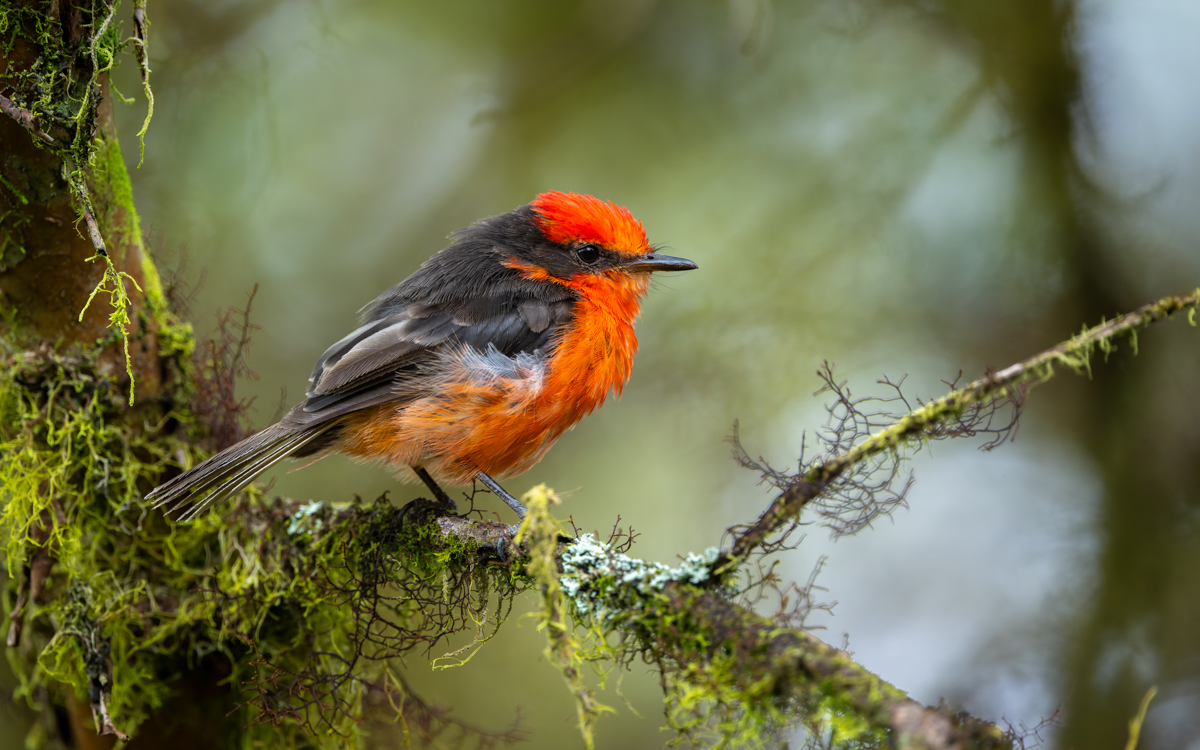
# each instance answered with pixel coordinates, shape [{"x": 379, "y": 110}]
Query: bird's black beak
[{"x": 658, "y": 262}]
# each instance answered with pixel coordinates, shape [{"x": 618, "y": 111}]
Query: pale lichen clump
[
  {"x": 591, "y": 568},
  {"x": 303, "y": 521}
]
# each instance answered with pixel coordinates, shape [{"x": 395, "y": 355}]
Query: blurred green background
[{"x": 915, "y": 187}]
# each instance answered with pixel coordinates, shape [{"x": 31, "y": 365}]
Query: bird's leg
[
  {"x": 437, "y": 491},
  {"x": 501, "y": 493}
]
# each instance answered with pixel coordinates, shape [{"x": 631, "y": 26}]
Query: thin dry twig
[{"x": 221, "y": 363}]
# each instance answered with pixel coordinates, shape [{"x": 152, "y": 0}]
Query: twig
[
  {"x": 24, "y": 117},
  {"x": 80, "y": 191},
  {"x": 139, "y": 50},
  {"x": 931, "y": 417}
]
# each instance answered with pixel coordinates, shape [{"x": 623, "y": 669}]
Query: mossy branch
[
  {"x": 932, "y": 417},
  {"x": 731, "y": 674},
  {"x": 26, "y": 119}
]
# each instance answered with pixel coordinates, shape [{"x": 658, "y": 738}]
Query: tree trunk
[
  {"x": 53, "y": 245},
  {"x": 45, "y": 276}
]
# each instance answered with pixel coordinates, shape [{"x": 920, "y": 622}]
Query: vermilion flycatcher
[{"x": 473, "y": 366}]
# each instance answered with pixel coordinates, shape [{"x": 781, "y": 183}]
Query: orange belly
[{"x": 477, "y": 418}]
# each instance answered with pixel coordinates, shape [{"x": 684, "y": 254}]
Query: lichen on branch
[{"x": 731, "y": 676}]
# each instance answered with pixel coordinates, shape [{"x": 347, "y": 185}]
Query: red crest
[{"x": 570, "y": 217}]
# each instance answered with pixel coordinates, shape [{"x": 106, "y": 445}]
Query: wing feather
[
  {"x": 536, "y": 314},
  {"x": 364, "y": 367}
]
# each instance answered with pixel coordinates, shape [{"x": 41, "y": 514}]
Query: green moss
[
  {"x": 112, "y": 285},
  {"x": 111, "y": 185},
  {"x": 12, "y": 246},
  {"x": 176, "y": 339},
  {"x": 278, "y": 594},
  {"x": 69, "y": 468},
  {"x": 540, "y": 533},
  {"x": 13, "y": 189}
]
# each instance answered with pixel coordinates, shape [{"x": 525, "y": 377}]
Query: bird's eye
[{"x": 589, "y": 254}]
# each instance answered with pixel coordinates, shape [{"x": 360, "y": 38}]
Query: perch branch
[{"x": 696, "y": 634}]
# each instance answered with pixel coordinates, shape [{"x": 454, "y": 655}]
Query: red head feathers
[{"x": 569, "y": 217}]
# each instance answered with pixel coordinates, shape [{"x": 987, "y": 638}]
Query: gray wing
[{"x": 370, "y": 365}]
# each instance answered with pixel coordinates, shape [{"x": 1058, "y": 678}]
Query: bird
[{"x": 472, "y": 367}]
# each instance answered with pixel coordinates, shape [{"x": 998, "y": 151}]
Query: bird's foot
[{"x": 501, "y": 493}]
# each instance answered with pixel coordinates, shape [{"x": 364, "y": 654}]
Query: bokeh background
[{"x": 901, "y": 187}]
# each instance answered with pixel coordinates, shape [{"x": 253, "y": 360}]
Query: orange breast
[{"x": 492, "y": 413}]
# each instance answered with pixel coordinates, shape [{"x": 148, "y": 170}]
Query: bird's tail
[{"x": 231, "y": 469}]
